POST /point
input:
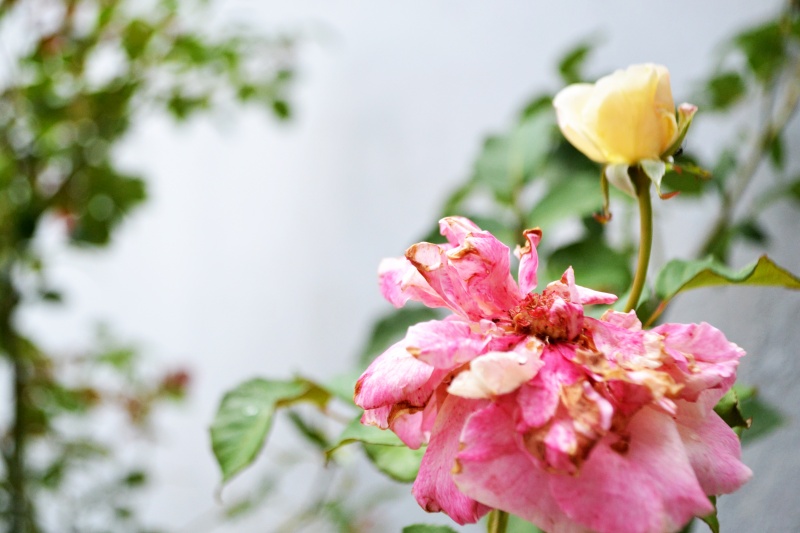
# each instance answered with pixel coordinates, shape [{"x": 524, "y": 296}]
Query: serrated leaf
[
  {"x": 245, "y": 416},
  {"x": 426, "y": 528},
  {"x": 679, "y": 276}
]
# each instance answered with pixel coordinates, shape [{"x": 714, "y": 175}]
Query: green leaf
[
  {"x": 355, "y": 431},
  {"x": 764, "y": 418},
  {"x": 729, "y": 409},
  {"x": 398, "y": 462},
  {"x": 679, "y": 276},
  {"x": 724, "y": 90},
  {"x": 245, "y": 415},
  {"x": 765, "y": 49},
  {"x": 391, "y": 328},
  {"x": 578, "y": 197},
  {"x": 571, "y": 64},
  {"x": 425, "y": 528},
  {"x": 386, "y": 451},
  {"x": 777, "y": 155}
]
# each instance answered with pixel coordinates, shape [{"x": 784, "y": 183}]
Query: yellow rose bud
[{"x": 624, "y": 118}]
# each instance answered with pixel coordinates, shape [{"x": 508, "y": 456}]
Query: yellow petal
[{"x": 570, "y": 103}]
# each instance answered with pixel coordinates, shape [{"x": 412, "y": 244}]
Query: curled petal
[
  {"x": 528, "y": 260},
  {"x": 456, "y": 229},
  {"x": 399, "y": 282},
  {"x": 396, "y": 377}
]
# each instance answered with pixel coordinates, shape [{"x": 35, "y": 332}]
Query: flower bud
[{"x": 624, "y": 118}]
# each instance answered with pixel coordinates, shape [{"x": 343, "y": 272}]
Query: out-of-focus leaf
[
  {"x": 729, "y": 409},
  {"x": 355, "y": 431},
  {"x": 311, "y": 432},
  {"x": 343, "y": 386},
  {"x": 764, "y": 418},
  {"x": 571, "y": 64},
  {"x": 724, "y": 89},
  {"x": 777, "y": 153},
  {"x": 245, "y": 415},
  {"x": 579, "y": 197},
  {"x": 391, "y": 328},
  {"x": 596, "y": 265},
  {"x": 425, "y": 528},
  {"x": 508, "y": 161},
  {"x": 398, "y": 462},
  {"x": 678, "y": 276},
  {"x": 386, "y": 451},
  {"x": 751, "y": 231},
  {"x": 764, "y": 48}
]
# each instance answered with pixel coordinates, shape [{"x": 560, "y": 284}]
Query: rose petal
[
  {"x": 648, "y": 488},
  {"x": 496, "y": 373},
  {"x": 434, "y": 488}
]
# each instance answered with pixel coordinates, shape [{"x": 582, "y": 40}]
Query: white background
[{"x": 256, "y": 254}]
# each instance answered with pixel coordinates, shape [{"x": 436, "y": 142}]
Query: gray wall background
[{"x": 257, "y": 252}]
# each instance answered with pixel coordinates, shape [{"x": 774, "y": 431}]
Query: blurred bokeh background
[{"x": 256, "y": 250}]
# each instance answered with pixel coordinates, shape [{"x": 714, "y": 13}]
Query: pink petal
[
  {"x": 649, "y": 488},
  {"x": 456, "y": 229},
  {"x": 399, "y": 282},
  {"x": 704, "y": 354},
  {"x": 528, "y": 260},
  {"x": 434, "y": 488},
  {"x": 496, "y": 470},
  {"x": 627, "y": 320},
  {"x": 714, "y": 449},
  {"x": 539, "y": 398},
  {"x": 396, "y": 377},
  {"x": 473, "y": 279},
  {"x": 446, "y": 343},
  {"x": 582, "y": 295}
]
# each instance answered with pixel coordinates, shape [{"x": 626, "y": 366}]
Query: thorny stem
[
  {"x": 642, "y": 184},
  {"x": 498, "y": 521}
]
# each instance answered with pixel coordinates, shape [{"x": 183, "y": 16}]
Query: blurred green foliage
[{"x": 78, "y": 75}]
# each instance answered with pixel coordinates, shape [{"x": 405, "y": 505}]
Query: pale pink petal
[
  {"x": 378, "y": 417},
  {"x": 528, "y": 260},
  {"x": 446, "y": 343},
  {"x": 400, "y": 281},
  {"x": 627, "y": 320},
  {"x": 434, "y": 488},
  {"x": 703, "y": 353},
  {"x": 648, "y": 488},
  {"x": 497, "y": 373},
  {"x": 714, "y": 449},
  {"x": 582, "y": 295},
  {"x": 396, "y": 377},
  {"x": 414, "y": 427},
  {"x": 495, "y": 469},
  {"x": 456, "y": 229}
]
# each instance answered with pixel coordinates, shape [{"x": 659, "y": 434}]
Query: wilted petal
[
  {"x": 649, "y": 487},
  {"x": 702, "y": 352},
  {"x": 714, "y": 449},
  {"x": 539, "y": 398},
  {"x": 456, "y": 229},
  {"x": 497, "y": 373},
  {"x": 528, "y": 260},
  {"x": 434, "y": 488},
  {"x": 495, "y": 469},
  {"x": 446, "y": 343},
  {"x": 400, "y": 281},
  {"x": 396, "y": 377}
]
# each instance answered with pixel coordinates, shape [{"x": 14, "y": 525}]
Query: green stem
[
  {"x": 642, "y": 183},
  {"x": 498, "y": 521}
]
